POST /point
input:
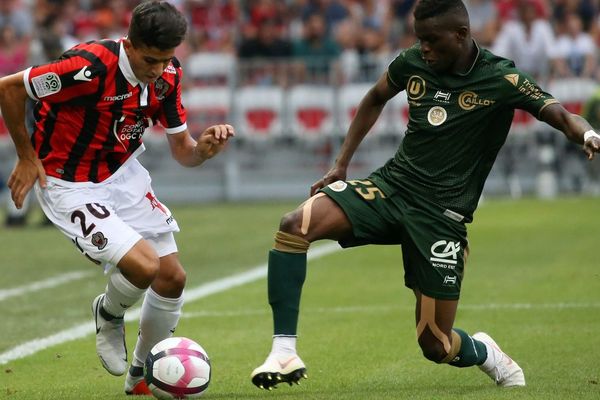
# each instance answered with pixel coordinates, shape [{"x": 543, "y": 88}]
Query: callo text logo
[{"x": 469, "y": 100}]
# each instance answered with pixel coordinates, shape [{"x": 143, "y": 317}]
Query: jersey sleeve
[
  {"x": 522, "y": 92},
  {"x": 71, "y": 77},
  {"x": 395, "y": 71},
  {"x": 172, "y": 115}
]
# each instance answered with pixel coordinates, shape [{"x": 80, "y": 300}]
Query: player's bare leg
[
  {"x": 159, "y": 316},
  {"x": 441, "y": 343},
  {"x": 126, "y": 285},
  {"x": 318, "y": 218}
]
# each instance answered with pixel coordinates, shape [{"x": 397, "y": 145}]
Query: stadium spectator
[
  {"x": 316, "y": 51},
  {"x": 94, "y": 105},
  {"x": 483, "y": 15},
  {"x": 334, "y": 11},
  {"x": 13, "y": 51},
  {"x": 462, "y": 104},
  {"x": 575, "y": 51},
  {"x": 264, "y": 41},
  {"x": 527, "y": 39},
  {"x": 13, "y": 13}
]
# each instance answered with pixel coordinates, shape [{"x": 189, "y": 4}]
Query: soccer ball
[{"x": 177, "y": 368}]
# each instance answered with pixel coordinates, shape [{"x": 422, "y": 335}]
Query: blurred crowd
[{"x": 548, "y": 38}]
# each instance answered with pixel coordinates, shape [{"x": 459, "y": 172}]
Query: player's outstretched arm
[
  {"x": 575, "y": 127},
  {"x": 190, "y": 153},
  {"x": 28, "y": 168},
  {"x": 367, "y": 113}
]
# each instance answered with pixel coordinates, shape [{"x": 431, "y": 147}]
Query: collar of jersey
[
  {"x": 126, "y": 68},
  {"x": 472, "y": 65}
]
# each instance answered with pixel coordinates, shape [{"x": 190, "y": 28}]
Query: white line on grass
[
  {"x": 81, "y": 330},
  {"x": 387, "y": 308},
  {"x": 44, "y": 284}
]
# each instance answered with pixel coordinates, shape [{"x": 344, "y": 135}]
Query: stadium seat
[
  {"x": 207, "y": 106},
  {"x": 210, "y": 69},
  {"x": 397, "y": 114},
  {"x": 348, "y": 97},
  {"x": 573, "y": 92},
  {"x": 259, "y": 111},
  {"x": 311, "y": 111}
]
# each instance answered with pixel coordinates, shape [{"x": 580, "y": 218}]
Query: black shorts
[{"x": 433, "y": 244}]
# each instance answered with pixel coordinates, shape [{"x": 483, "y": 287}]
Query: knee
[
  {"x": 433, "y": 350},
  {"x": 148, "y": 267},
  {"x": 176, "y": 280},
  {"x": 291, "y": 222}
]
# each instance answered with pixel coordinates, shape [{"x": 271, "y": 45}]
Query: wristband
[{"x": 590, "y": 134}]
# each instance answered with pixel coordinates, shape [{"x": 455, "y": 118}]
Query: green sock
[
  {"x": 287, "y": 272},
  {"x": 472, "y": 351}
]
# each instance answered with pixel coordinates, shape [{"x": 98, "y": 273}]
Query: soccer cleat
[
  {"x": 278, "y": 368},
  {"x": 498, "y": 365},
  {"x": 110, "y": 339},
  {"x": 136, "y": 384}
]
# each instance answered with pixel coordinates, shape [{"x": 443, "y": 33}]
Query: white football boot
[
  {"x": 498, "y": 365},
  {"x": 110, "y": 339},
  {"x": 277, "y": 368},
  {"x": 136, "y": 384}
]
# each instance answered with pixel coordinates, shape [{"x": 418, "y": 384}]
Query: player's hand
[
  {"x": 591, "y": 147},
  {"x": 213, "y": 140},
  {"x": 334, "y": 174},
  {"x": 23, "y": 177}
]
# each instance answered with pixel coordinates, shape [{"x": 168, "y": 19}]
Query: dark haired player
[
  {"x": 462, "y": 99},
  {"x": 94, "y": 105}
]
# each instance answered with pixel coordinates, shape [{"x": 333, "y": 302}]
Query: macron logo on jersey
[{"x": 83, "y": 75}]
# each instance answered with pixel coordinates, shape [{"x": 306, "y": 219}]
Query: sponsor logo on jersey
[
  {"x": 437, "y": 116},
  {"x": 469, "y": 100},
  {"x": 445, "y": 252},
  {"x": 83, "y": 75},
  {"x": 160, "y": 88},
  {"x": 338, "y": 186},
  {"x": 46, "y": 84},
  {"x": 442, "y": 97},
  {"x": 118, "y": 97},
  {"x": 529, "y": 88},
  {"x": 133, "y": 131},
  {"x": 154, "y": 203},
  {"x": 171, "y": 69},
  {"x": 415, "y": 87},
  {"x": 449, "y": 280},
  {"x": 512, "y": 78},
  {"x": 99, "y": 240}
]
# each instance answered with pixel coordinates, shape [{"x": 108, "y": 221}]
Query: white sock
[
  {"x": 120, "y": 294},
  {"x": 158, "y": 320},
  {"x": 490, "y": 362},
  {"x": 284, "y": 344}
]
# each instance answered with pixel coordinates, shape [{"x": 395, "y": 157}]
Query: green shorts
[{"x": 433, "y": 243}]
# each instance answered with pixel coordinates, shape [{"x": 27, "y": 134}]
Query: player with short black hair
[
  {"x": 461, "y": 105},
  {"x": 93, "y": 107}
]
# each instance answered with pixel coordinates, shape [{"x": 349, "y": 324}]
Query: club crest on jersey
[
  {"x": 338, "y": 186},
  {"x": 161, "y": 87},
  {"x": 99, "y": 240},
  {"x": 437, "y": 115},
  {"x": 46, "y": 84}
]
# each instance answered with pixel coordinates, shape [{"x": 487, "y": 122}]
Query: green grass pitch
[{"x": 532, "y": 282}]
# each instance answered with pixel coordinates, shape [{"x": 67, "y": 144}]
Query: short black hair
[
  {"x": 433, "y": 8},
  {"x": 157, "y": 24}
]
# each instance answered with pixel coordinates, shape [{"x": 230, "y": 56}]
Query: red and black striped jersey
[{"x": 92, "y": 111}]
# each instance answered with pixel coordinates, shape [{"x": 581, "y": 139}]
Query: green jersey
[{"x": 457, "y": 124}]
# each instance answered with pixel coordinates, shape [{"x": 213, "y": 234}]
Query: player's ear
[
  {"x": 461, "y": 33},
  {"x": 127, "y": 44}
]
